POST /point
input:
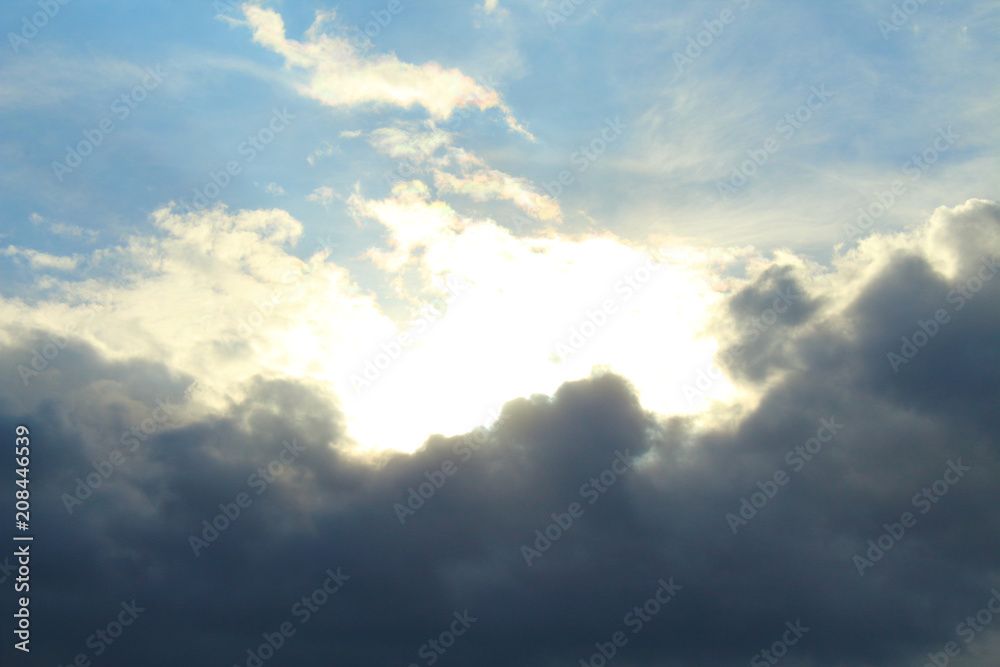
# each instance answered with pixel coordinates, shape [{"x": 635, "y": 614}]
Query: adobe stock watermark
[
  {"x": 580, "y": 160},
  {"x": 85, "y": 487},
  {"x": 787, "y": 127},
  {"x": 105, "y": 636},
  {"x": 434, "y": 648},
  {"x": 749, "y": 334},
  {"x": 122, "y": 107},
  {"x": 698, "y": 43},
  {"x": 247, "y": 325},
  {"x": 379, "y": 362},
  {"x": 779, "y": 649},
  {"x": 592, "y": 490},
  {"x": 6, "y": 569},
  {"x": 381, "y": 18},
  {"x": 967, "y": 630},
  {"x": 436, "y": 478},
  {"x": 265, "y": 307},
  {"x": 563, "y": 11},
  {"x": 322, "y": 245},
  {"x": 594, "y": 320},
  {"x": 796, "y": 458},
  {"x": 926, "y": 330},
  {"x": 230, "y": 512},
  {"x": 42, "y": 358},
  {"x": 406, "y": 168},
  {"x": 915, "y": 168},
  {"x": 636, "y": 620},
  {"x": 900, "y": 16},
  {"x": 461, "y": 113},
  {"x": 303, "y": 610},
  {"x": 248, "y": 149},
  {"x": 29, "y": 28},
  {"x": 360, "y": 38},
  {"x": 929, "y": 496},
  {"x": 586, "y": 155}
]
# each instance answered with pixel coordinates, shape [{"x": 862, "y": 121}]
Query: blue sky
[{"x": 687, "y": 130}]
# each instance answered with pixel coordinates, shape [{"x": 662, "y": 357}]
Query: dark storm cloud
[
  {"x": 775, "y": 302},
  {"x": 838, "y": 446}
]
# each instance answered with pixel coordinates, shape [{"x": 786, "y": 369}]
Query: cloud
[
  {"x": 493, "y": 8},
  {"x": 340, "y": 75},
  {"x": 323, "y": 194},
  {"x": 325, "y": 149},
  {"x": 417, "y": 146},
  {"x": 486, "y": 184},
  {"x": 409, "y": 141},
  {"x": 226, "y": 288},
  {"x": 889, "y": 437},
  {"x": 43, "y": 261},
  {"x": 274, "y": 189},
  {"x": 51, "y": 77},
  {"x": 73, "y": 231},
  {"x": 232, "y": 300},
  {"x": 65, "y": 230}
]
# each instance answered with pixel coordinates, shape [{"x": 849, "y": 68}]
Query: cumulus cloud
[
  {"x": 655, "y": 494},
  {"x": 210, "y": 291},
  {"x": 223, "y": 296}
]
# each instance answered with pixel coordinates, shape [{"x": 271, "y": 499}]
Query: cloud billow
[{"x": 663, "y": 519}]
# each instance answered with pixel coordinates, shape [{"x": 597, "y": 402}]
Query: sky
[{"x": 502, "y": 333}]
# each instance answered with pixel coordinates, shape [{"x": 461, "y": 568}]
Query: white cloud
[
  {"x": 215, "y": 295},
  {"x": 323, "y": 195},
  {"x": 416, "y": 144},
  {"x": 409, "y": 141},
  {"x": 63, "y": 229},
  {"x": 325, "y": 149},
  {"x": 529, "y": 296},
  {"x": 487, "y": 184},
  {"x": 75, "y": 231},
  {"x": 338, "y": 75},
  {"x": 41, "y": 261},
  {"x": 275, "y": 189},
  {"x": 493, "y": 8},
  {"x": 219, "y": 296}
]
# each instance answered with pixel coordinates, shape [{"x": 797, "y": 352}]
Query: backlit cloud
[
  {"x": 702, "y": 370},
  {"x": 340, "y": 75}
]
